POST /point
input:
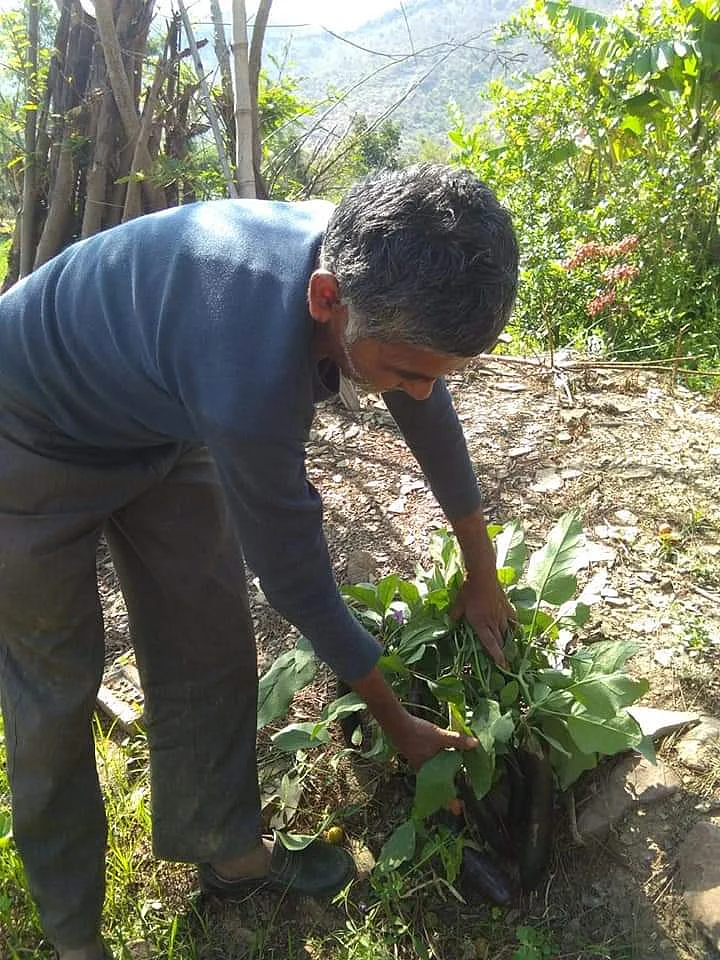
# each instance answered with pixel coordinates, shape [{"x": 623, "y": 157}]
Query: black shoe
[{"x": 320, "y": 870}]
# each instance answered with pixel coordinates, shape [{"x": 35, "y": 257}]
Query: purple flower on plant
[{"x": 398, "y": 615}]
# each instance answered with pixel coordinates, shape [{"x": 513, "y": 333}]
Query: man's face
[
  {"x": 380, "y": 366},
  {"x": 373, "y": 365}
]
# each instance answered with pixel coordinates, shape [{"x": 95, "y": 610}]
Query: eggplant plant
[{"x": 540, "y": 723}]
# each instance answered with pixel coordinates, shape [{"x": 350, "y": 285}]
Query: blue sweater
[{"x": 192, "y": 325}]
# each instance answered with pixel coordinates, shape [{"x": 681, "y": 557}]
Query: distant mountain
[{"x": 434, "y": 53}]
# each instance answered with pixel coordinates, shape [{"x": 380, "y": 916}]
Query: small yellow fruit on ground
[{"x": 335, "y": 835}]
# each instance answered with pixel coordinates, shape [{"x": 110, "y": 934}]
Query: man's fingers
[
  {"x": 459, "y": 741},
  {"x": 492, "y": 645}
]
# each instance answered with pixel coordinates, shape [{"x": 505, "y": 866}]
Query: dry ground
[{"x": 633, "y": 456}]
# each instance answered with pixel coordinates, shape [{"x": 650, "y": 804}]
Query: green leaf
[
  {"x": 448, "y": 689},
  {"x": 435, "y": 783},
  {"x": 594, "y": 735},
  {"x": 506, "y": 576},
  {"x": 393, "y": 663},
  {"x": 509, "y": 693},
  {"x": 555, "y": 679},
  {"x": 606, "y": 656},
  {"x": 387, "y": 588},
  {"x": 551, "y": 571},
  {"x": 300, "y": 736},
  {"x": 343, "y": 707},
  {"x": 647, "y": 748},
  {"x": 489, "y": 725},
  {"x": 457, "y": 721},
  {"x": 510, "y": 548},
  {"x": 292, "y": 671},
  {"x": 568, "y": 762},
  {"x": 364, "y": 593},
  {"x": 399, "y": 847},
  {"x": 295, "y": 841},
  {"x": 409, "y": 593},
  {"x": 480, "y": 767}
]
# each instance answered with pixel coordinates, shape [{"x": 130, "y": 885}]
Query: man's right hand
[{"x": 414, "y": 738}]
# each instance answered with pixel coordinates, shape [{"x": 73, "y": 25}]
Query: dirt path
[{"x": 636, "y": 460}]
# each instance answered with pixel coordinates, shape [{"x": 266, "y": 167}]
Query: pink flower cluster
[
  {"x": 605, "y": 299},
  {"x": 594, "y": 250},
  {"x": 621, "y": 271}
]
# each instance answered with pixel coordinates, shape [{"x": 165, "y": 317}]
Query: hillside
[{"x": 421, "y": 61}]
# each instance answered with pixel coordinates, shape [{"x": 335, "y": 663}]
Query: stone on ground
[
  {"x": 699, "y": 874},
  {"x": 633, "y": 781},
  {"x": 700, "y": 747}
]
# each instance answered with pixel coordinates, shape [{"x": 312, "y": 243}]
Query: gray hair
[{"x": 426, "y": 256}]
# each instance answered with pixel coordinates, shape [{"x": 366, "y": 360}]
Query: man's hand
[
  {"x": 484, "y": 604},
  {"x": 419, "y": 740},
  {"x": 416, "y": 739},
  {"x": 482, "y": 600}
]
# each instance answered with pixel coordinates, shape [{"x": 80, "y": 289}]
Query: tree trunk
[{"x": 124, "y": 96}]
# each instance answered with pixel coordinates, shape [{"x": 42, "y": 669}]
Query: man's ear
[{"x": 324, "y": 301}]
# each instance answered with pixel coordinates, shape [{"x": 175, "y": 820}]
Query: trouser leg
[
  {"x": 182, "y": 576},
  {"x": 51, "y": 660}
]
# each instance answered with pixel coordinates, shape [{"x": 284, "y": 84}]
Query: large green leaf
[
  {"x": 605, "y": 656},
  {"x": 435, "y": 783},
  {"x": 551, "y": 571},
  {"x": 292, "y": 671},
  {"x": 595, "y": 735},
  {"x": 605, "y": 694},
  {"x": 399, "y": 847}
]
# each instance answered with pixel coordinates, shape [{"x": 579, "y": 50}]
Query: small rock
[
  {"x": 657, "y": 723},
  {"x": 361, "y": 567},
  {"x": 664, "y": 656},
  {"x": 364, "y": 861},
  {"x": 699, "y": 874},
  {"x": 699, "y": 747}
]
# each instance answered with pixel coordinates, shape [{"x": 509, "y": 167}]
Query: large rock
[
  {"x": 700, "y": 746},
  {"x": 633, "y": 781},
  {"x": 699, "y": 874}
]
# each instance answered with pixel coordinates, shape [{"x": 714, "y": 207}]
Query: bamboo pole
[
  {"x": 244, "y": 172},
  {"x": 209, "y": 105}
]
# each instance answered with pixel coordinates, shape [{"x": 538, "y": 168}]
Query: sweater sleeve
[
  {"x": 433, "y": 433},
  {"x": 278, "y": 516}
]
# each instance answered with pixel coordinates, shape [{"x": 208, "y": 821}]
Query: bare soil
[{"x": 637, "y": 458}]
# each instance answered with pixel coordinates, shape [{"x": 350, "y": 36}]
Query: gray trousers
[{"x": 182, "y": 577}]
